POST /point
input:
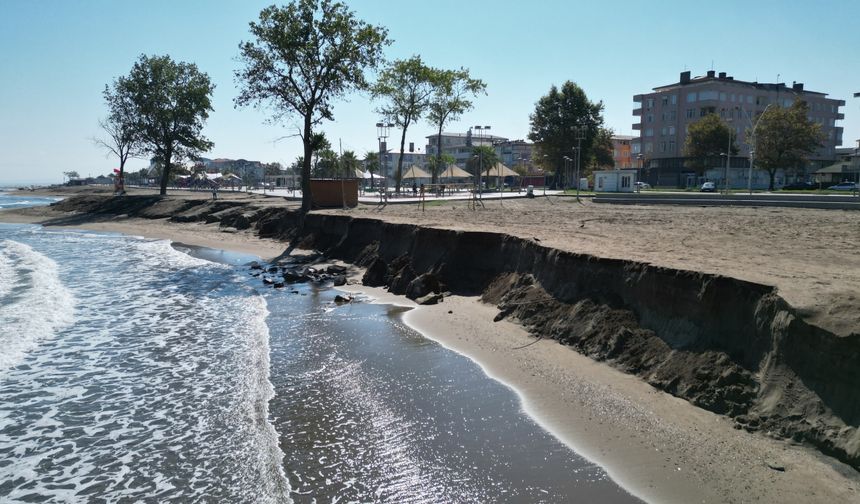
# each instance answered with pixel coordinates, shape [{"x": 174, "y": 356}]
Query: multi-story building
[
  {"x": 516, "y": 154},
  {"x": 623, "y": 151},
  {"x": 391, "y": 155},
  {"x": 666, "y": 113},
  {"x": 459, "y": 145}
]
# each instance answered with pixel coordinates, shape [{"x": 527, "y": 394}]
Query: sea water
[{"x": 139, "y": 370}]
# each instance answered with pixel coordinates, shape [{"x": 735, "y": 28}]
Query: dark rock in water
[
  {"x": 430, "y": 299},
  {"x": 278, "y": 285},
  {"x": 272, "y": 269},
  {"x": 375, "y": 274},
  {"x": 339, "y": 280},
  {"x": 268, "y": 281},
  {"x": 296, "y": 276},
  {"x": 341, "y": 299},
  {"x": 422, "y": 285},
  {"x": 400, "y": 274},
  {"x": 255, "y": 265}
]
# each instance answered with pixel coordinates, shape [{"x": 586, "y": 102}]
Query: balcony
[
  {"x": 637, "y": 127},
  {"x": 637, "y": 112},
  {"x": 840, "y": 115}
]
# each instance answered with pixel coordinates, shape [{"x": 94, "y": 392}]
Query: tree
[
  {"x": 406, "y": 86},
  {"x": 349, "y": 163},
  {"x": 307, "y": 54},
  {"x": 272, "y": 169},
  {"x": 170, "y": 102},
  {"x": 484, "y": 159},
  {"x": 555, "y": 121},
  {"x": 451, "y": 97},
  {"x": 785, "y": 137},
  {"x": 371, "y": 164},
  {"x": 602, "y": 151},
  {"x": 707, "y": 139},
  {"x": 123, "y": 140}
]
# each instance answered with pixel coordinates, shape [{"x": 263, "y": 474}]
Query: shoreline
[{"x": 640, "y": 435}]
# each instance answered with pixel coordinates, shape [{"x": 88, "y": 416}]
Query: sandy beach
[{"x": 659, "y": 447}]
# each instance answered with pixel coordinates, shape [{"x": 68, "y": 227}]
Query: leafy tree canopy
[
  {"x": 558, "y": 116},
  {"x": 707, "y": 139},
  {"x": 304, "y": 56},
  {"x": 406, "y": 87},
  {"x": 170, "y": 102},
  {"x": 785, "y": 137},
  {"x": 483, "y": 159},
  {"x": 452, "y": 96}
]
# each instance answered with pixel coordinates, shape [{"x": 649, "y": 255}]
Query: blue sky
[{"x": 56, "y": 57}]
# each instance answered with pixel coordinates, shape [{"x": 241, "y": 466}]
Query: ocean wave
[{"x": 34, "y": 303}]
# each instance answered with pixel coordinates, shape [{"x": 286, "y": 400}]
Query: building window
[
  {"x": 665, "y": 100},
  {"x": 671, "y": 130},
  {"x": 662, "y": 146},
  {"x": 674, "y": 99},
  {"x": 671, "y": 146},
  {"x": 691, "y": 113},
  {"x": 650, "y": 102},
  {"x": 649, "y": 147},
  {"x": 649, "y": 118},
  {"x": 749, "y": 99},
  {"x": 691, "y": 97},
  {"x": 708, "y": 95},
  {"x": 723, "y": 97},
  {"x": 649, "y": 132},
  {"x": 671, "y": 115}
]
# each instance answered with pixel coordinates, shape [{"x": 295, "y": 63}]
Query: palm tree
[
  {"x": 349, "y": 163},
  {"x": 371, "y": 164}
]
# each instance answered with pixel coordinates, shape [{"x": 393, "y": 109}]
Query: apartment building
[
  {"x": 666, "y": 113},
  {"x": 459, "y": 145},
  {"x": 625, "y": 151}
]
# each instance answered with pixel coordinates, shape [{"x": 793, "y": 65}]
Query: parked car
[
  {"x": 708, "y": 187},
  {"x": 843, "y": 186},
  {"x": 643, "y": 185},
  {"x": 800, "y": 186}
]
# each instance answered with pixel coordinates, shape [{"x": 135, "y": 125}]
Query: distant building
[
  {"x": 459, "y": 145},
  {"x": 391, "y": 156},
  {"x": 253, "y": 171},
  {"x": 666, "y": 113},
  {"x": 516, "y": 154},
  {"x": 622, "y": 151}
]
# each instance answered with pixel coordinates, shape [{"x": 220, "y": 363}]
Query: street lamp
[
  {"x": 481, "y": 131},
  {"x": 640, "y": 157},
  {"x": 753, "y": 145},
  {"x": 580, "y": 135},
  {"x": 382, "y": 129}
]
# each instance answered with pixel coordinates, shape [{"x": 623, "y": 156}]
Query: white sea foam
[
  {"x": 164, "y": 374},
  {"x": 34, "y": 303}
]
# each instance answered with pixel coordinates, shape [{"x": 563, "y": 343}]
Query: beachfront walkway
[{"x": 407, "y": 197}]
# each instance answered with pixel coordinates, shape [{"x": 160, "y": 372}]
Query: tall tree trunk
[
  {"x": 165, "y": 171},
  {"x": 772, "y": 175},
  {"x": 306, "y": 166},
  {"x": 399, "y": 177},
  {"x": 438, "y": 166}
]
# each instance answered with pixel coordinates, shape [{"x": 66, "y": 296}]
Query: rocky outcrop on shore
[{"x": 726, "y": 345}]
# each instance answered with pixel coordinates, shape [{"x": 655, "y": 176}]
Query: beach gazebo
[
  {"x": 415, "y": 173},
  {"x": 500, "y": 171},
  {"x": 454, "y": 172}
]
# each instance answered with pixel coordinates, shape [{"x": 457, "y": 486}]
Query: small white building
[{"x": 615, "y": 181}]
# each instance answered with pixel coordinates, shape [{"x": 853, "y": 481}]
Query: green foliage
[
  {"x": 452, "y": 93},
  {"x": 349, "y": 163},
  {"x": 169, "y": 104},
  {"x": 557, "y": 117},
  {"x": 707, "y": 139},
  {"x": 483, "y": 159},
  {"x": 602, "y": 150},
  {"x": 305, "y": 55},
  {"x": 272, "y": 169},
  {"x": 785, "y": 137},
  {"x": 406, "y": 86}
]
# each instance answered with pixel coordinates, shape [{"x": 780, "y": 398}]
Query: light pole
[
  {"x": 640, "y": 157},
  {"x": 857, "y": 158},
  {"x": 568, "y": 162},
  {"x": 382, "y": 129},
  {"x": 753, "y": 145},
  {"x": 580, "y": 135},
  {"x": 481, "y": 132}
]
